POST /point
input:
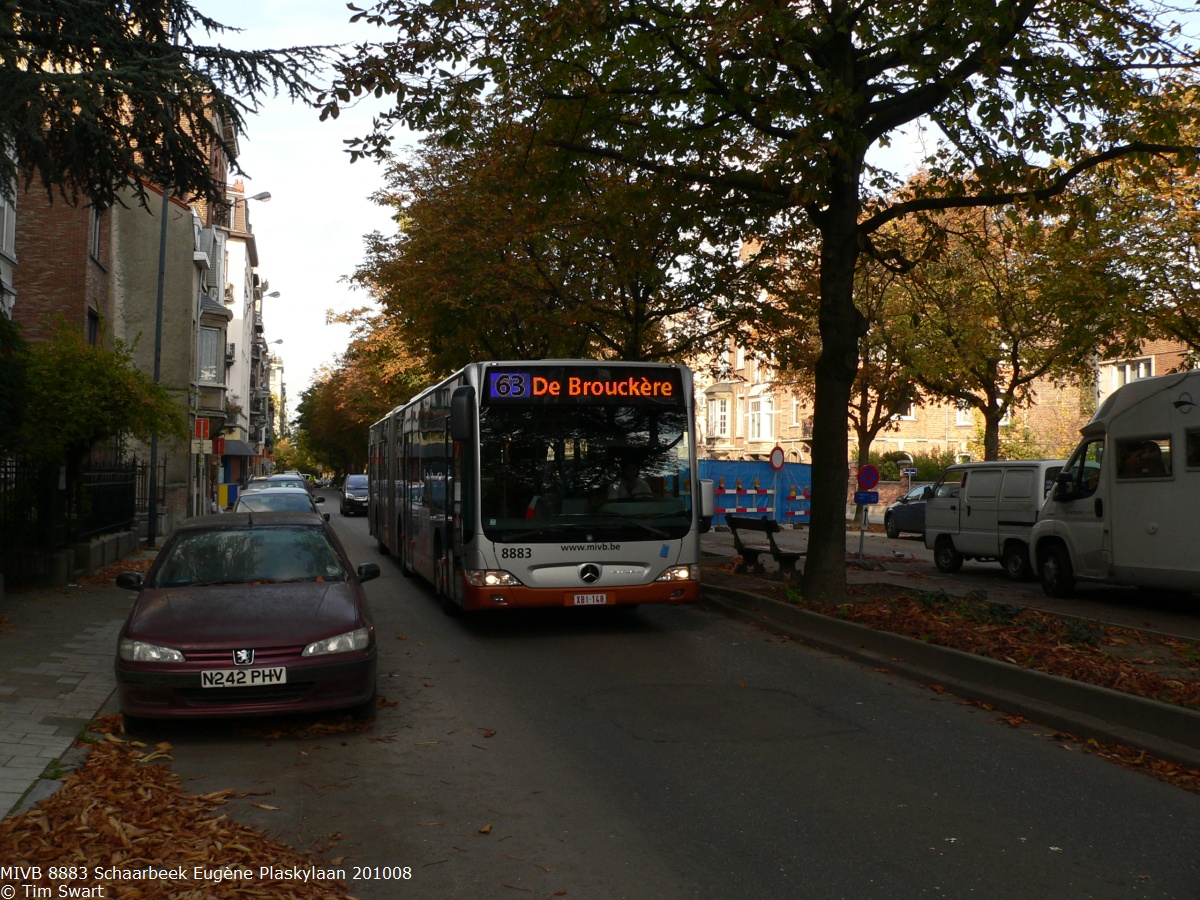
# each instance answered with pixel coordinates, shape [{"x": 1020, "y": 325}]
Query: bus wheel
[{"x": 403, "y": 554}]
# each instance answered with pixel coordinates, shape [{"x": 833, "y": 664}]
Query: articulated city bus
[{"x": 544, "y": 483}]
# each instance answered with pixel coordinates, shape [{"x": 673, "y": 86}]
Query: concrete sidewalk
[{"x": 56, "y": 674}]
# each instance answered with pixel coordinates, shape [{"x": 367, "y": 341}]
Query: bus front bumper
[{"x": 523, "y": 597}]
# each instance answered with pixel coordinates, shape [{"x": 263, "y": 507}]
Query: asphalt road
[{"x": 677, "y": 753}]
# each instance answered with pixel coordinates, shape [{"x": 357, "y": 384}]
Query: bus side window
[{"x": 1193, "y": 449}]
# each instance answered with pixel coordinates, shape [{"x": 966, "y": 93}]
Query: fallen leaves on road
[
  {"x": 6, "y": 624},
  {"x": 117, "y": 812}
]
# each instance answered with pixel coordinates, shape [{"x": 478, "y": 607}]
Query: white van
[
  {"x": 1126, "y": 510},
  {"x": 986, "y": 511}
]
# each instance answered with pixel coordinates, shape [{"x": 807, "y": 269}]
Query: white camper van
[
  {"x": 986, "y": 511},
  {"x": 1126, "y": 510}
]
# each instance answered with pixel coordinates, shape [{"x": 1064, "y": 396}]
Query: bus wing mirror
[
  {"x": 707, "y": 501},
  {"x": 462, "y": 413}
]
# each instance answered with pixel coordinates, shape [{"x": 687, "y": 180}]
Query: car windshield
[
  {"x": 249, "y": 555},
  {"x": 358, "y": 482},
  {"x": 288, "y": 482},
  {"x": 260, "y": 501}
]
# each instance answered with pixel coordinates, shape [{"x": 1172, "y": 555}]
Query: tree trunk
[
  {"x": 991, "y": 434},
  {"x": 841, "y": 325}
]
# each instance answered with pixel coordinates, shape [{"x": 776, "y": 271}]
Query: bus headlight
[
  {"x": 680, "y": 573},
  {"x": 491, "y": 578}
]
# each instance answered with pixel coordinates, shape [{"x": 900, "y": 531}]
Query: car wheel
[
  {"x": 1058, "y": 578},
  {"x": 1016, "y": 561},
  {"x": 889, "y": 524},
  {"x": 135, "y": 725},
  {"x": 945, "y": 557}
]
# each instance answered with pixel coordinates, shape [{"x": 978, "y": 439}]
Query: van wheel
[
  {"x": 1058, "y": 578},
  {"x": 945, "y": 557},
  {"x": 1016, "y": 561},
  {"x": 889, "y": 524}
]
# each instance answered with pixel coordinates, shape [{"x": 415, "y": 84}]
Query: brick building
[{"x": 742, "y": 413}]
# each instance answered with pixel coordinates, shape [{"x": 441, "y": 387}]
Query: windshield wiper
[
  {"x": 529, "y": 533},
  {"x": 626, "y": 520}
]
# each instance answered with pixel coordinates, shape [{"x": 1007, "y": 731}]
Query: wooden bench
[{"x": 786, "y": 559}]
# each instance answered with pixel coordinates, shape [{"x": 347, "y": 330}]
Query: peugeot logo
[
  {"x": 589, "y": 573},
  {"x": 243, "y": 657}
]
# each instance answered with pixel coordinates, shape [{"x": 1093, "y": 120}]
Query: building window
[
  {"x": 8, "y": 227},
  {"x": 1130, "y": 370},
  {"x": 211, "y": 344},
  {"x": 718, "y": 417},
  {"x": 964, "y": 414},
  {"x": 97, "y": 222},
  {"x": 93, "y": 327},
  {"x": 906, "y": 413},
  {"x": 762, "y": 418}
]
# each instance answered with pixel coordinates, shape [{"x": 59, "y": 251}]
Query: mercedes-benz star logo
[
  {"x": 243, "y": 657},
  {"x": 589, "y": 573}
]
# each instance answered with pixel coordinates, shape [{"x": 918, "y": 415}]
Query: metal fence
[{"x": 42, "y": 511}]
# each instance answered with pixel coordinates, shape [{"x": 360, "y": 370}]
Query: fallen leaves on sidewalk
[
  {"x": 123, "y": 811},
  {"x": 6, "y": 624},
  {"x": 107, "y": 575}
]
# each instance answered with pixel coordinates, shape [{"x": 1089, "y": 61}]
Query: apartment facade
[{"x": 743, "y": 412}]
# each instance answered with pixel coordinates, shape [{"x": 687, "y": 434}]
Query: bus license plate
[
  {"x": 222, "y": 678},
  {"x": 590, "y": 599}
]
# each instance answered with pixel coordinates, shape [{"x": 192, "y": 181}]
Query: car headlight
[
  {"x": 680, "y": 573},
  {"x": 358, "y": 639},
  {"x": 491, "y": 578},
  {"x": 140, "y": 651}
]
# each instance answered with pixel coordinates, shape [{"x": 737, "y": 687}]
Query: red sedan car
[{"x": 248, "y": 614}]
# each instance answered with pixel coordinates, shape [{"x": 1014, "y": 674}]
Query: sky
[{"x": 310, "y": 233}]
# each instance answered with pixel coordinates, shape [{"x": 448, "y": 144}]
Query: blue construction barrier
[{"x": 748, "y": 487}]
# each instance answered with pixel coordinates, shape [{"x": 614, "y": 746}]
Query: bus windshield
[{"x": 594, "y": 472}]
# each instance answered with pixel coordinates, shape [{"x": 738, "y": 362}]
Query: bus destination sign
[{"x": 584, "y": 384}]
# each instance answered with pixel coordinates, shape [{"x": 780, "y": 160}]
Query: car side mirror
[
  {"x": 368, "y": 571},
  {"x": 927, "y": 493},
  {"x": 325, "y": 516},
  {"x": 130, "y": 581}
]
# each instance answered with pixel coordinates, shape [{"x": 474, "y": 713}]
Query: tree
[
  {"x": 1003, "y": 300},
  {"x": 335, "y": 413},
  {"x": 100, "y": 95},
  {"x": 776, "y": 106},
  {"x": 1151, "y": 223},
  {"x": 87, "y": 395},
  {"x": 557, "y": 258}
]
